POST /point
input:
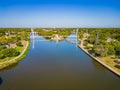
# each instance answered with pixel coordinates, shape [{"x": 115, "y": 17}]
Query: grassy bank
[
  {"x": 103, "y": 61},
  {"x": 11, "y": 62},
  {"x": 110, "y": 62}
]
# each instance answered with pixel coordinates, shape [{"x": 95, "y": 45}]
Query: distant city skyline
[{"x": 59, "y": 13}]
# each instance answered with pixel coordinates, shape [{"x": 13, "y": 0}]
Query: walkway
[
  {"x": 96, "y": 59},
  {"x": 8, "y": 61}
]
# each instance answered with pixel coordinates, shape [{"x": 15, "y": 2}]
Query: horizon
[
  {"x": 59, "y": 27},
  {"x": 60, "y": 14}
]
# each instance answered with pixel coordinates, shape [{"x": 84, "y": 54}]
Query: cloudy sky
[{"x": 59, "y": 13}]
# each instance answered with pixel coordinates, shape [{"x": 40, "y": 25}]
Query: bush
[
  {"x": 87, "y": 47},
  {"x": 2, "y": 56},
  {"x": 85, "y": 43},
  {"x": 116, "y": 61},
  {"x": 2, "y": 47},
  {"x": 116, "y": 57},
  {"x": 19, "y": 44},
  {"x": 10, "y": 52},
  {"x": 117, "y": 66}
]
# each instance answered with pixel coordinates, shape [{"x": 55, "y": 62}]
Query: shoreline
[
  {"x": 8, "y": 63},
  {"x": 99, "y": 61}
]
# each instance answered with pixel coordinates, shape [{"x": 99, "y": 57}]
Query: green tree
[
  {"x": 111, "y": 50},
  {"x": 91, "y": 39},
  {"x": 10, "y": 52},
  {"x": 3, "y": 40},
  {"x": 19, "y": 44},
  {"x": 100, "y": 50},
  {"x": 2, "y": 47}
]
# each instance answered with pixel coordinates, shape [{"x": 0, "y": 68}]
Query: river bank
[
  {"x": 51, "y": 66},
  {"x": 8, "y": 63},
  {"x": 99, "y": 61}
]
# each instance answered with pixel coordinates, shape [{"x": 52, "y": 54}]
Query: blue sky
[{"x": 59, "y": 13}]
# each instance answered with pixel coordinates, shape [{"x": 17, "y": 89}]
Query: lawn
[
  {"x": 20, "y": 49},
  {"x": 109, "y": 60}
]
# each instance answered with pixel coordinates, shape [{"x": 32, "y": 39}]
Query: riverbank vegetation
[
  {"x": 103, "y": 43},
  {"x": 12, "y": 43},
  {"x": 53, "y": 32}
]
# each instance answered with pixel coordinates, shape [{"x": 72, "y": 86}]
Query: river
[{"x": 57, "y": 66}]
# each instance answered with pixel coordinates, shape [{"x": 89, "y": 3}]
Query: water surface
[{"x": 57, "y": 66}]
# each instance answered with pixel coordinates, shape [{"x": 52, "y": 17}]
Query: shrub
[
  {"x": 116, "y": 57},
  {"x": 19, "y": 44},
  {"x": 10, "y": 52},
  {"x": 2, "y": 47},
  {"x": 87, "y": 47},
  {"x": 85, "y": 43},
  {"x": 117, "y": 66},
  {"x": 2, "y": 56},
  {"x": 116, "y": 61}
]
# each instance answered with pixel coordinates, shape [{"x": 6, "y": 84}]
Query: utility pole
[
  {"x": 77, "y": 36},
  {"x": 32, "y": 33},
  {"x": 97, "y": 37}
]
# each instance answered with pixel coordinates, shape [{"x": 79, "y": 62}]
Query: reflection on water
[
  {"x": 63, "y": 66},
  {"x": 10, "y": 67},
  {"x": 1, "y": 81},
  {"x": 98, "y": 66}
]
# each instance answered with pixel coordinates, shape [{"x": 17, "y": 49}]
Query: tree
[
  {"x": 10, "y": 52},
  {"x": 2, "y": 56},
  {"x": 91, "y": 39},
  {"x": 118, "y": 39},
  {"x": 111, "y": 50},
  {"x": 117, "y": 49},
  {"x": 19, "y": 44},
  {"x": 2, "y": 47},
  {"x": 24, "y": 35},
  {"x": 10, "y": 40},
  {"x": 117, "y": 46},
  {"x": 2, "y": 34},
  {"x": 80, "y": 34},
  {"x": 3, "y": 40},
  {"x": 100, "y": 50}
]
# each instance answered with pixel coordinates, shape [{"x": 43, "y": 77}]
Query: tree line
[
  {"x": 105, "y": 41},
  {"x": 12, "y": 36}
]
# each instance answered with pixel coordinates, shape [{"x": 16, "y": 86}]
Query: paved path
[
  {"x": 102, "y": 63},
  {"x": 17, "y": 56}
]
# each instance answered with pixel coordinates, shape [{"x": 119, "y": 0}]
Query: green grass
[
  {"x": 6, "y": 65},
  {"x": 20, "y": 49},
  {"x": 6, "y": 59},
  {"x": 110, "y": 62}
]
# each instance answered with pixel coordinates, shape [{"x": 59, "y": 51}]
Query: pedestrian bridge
[{"x": 73, "y": 38}]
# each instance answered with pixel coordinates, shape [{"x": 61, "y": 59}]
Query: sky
[{"x": 59, "y": 13}]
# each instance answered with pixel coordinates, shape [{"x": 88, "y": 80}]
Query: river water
[{"x": 57, "y": 66}]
